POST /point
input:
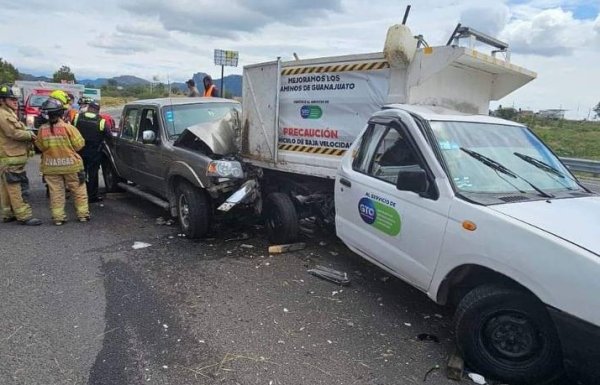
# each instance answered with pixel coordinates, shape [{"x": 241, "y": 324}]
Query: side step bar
[{"x": 154, "y": 199}]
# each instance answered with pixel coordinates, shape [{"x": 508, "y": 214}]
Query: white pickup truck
[
  {"x": 478, "y": 213},
  {"x": 474, "y": 211}
]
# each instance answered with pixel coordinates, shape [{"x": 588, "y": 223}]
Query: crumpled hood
[
  {"x": 576, "y": 220},
  {"x": 220, "y": 136}
]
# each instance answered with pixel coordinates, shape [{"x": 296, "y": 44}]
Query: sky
[{"x": 172, "y": 40}]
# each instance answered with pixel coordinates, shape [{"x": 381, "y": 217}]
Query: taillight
[{"x": 32, "y": 110}]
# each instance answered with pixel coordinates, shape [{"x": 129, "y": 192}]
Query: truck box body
[{"x": 301, "y": 116}]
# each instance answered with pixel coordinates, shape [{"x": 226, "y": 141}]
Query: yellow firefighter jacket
[
  {"x": 59, "y": 147},
  {"x": 15, "y": 140}
]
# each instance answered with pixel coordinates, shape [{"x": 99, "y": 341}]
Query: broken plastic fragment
[
  {"x": 477, "y": 378},
  {"x": 140, "y": 245},
  {"x": 341, "y": 278}
]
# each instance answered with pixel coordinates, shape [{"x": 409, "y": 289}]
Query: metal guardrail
[{"x": 583, "y": 165}]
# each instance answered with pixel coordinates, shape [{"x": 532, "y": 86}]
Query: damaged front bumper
[{"x": 247, "y": 193}]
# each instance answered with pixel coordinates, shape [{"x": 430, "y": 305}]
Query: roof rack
[{"x": 461, "y": 32}]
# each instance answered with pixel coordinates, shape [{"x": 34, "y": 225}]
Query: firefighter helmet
[
  {"x": 52, "y": 108},
  {"x": 61, "y": 96},
  {"x": 9, "y": 91}
]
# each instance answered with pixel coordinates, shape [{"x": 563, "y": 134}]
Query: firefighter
[
  {"x": 61, "y": 164},
  {"x": 15, "y": 148},
  {"x": 94, "y": 129}
]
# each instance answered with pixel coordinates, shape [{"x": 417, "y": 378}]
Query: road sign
[{"x": 226, "y": 58}]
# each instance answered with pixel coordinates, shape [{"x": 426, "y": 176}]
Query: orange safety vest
[{"x": 209, "y": 91}]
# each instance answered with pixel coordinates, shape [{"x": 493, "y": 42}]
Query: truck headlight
[{"x": 225, "y": 169}]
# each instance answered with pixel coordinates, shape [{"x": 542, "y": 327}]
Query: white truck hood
[{"x": 576, "y": 220}]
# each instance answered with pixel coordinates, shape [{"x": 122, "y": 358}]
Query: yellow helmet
[{"x": 61, "y": 96}]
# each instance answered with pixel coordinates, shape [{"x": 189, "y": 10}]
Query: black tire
[
  {"x": 192, "y": 210},
  {"x": 506, "y": 334},
  {"x": 281, "y": 218},
  {"x": 111, "y": 179}
]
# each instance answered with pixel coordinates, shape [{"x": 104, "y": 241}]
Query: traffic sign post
[{"x": 225, "y": 58}]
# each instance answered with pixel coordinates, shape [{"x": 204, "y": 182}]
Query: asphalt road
[{"x": 81, "y": 306}]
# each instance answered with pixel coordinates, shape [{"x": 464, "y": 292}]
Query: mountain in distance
[{"x": 231, "y": 83}]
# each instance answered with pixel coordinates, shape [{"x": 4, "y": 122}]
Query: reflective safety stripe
[
  {"x": 13, "y": 160},
  {"x": 102, "y": 123},
  {"x": 76, "y": 119}
]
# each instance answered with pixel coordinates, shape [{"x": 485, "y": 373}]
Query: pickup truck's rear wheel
[
  {"x": 111, "y": 179},
  {"x": 192, "y": 210},
  {"x": 507, "y": 334},
  {"x": 281, "y": 218}
]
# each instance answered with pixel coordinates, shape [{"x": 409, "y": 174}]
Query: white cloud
[
  {"x": 550, "y": 32},
  {"x": 143, "y": 28},
  {"x": 489, "y": 19}
]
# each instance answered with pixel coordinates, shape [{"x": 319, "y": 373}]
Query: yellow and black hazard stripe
[
  {"x": 312, "y": 150},
  {"x": 370, "y": 66}
]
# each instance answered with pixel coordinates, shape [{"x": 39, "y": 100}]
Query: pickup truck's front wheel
[
  {"x": 192, "y": 210},
  {"x": 507, "y": 334},
  {"x": 111, "y": 179}
]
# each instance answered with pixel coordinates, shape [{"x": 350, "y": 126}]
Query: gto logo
[{"x": 366, "y": 209}]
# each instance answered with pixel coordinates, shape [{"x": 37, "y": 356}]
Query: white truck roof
[{"x": 435, "y": 113}]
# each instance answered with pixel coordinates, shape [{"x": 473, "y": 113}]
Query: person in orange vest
[
  {"x": 210, "y": 90},
  {"x": 61, "y": 165}
]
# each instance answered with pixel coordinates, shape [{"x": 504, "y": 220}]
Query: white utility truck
[{"x": 473, "y": 210}]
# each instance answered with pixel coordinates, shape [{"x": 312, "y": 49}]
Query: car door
[
  {"x": 126, "y": 148},
  {"x": 402, "y": 231},
  {"x": 152, "y": 163}
]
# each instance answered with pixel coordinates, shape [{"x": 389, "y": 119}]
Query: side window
[
  {"x": 384, "y": 152},
  {"x": 368, "y": 144},
  {"x": 149, "y": 122},
  {"x": 131, "y": 123}
]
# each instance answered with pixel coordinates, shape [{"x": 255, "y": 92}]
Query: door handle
[{"x": 345, "y": 182}]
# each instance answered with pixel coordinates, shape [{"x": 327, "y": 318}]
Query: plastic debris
[
  {"x": 477, "y": 378},
  {"x": 335, "y": 276},
  {"x": 322, "y": 243},
  {"x": 160, "y": 221},
  {"x": 170, "y": 222},
  {"x": 428, "y": 337},
  {"x": 140, "y": 245},
  {"x": 407, "y": 324},
  {"x": 241, "y": 237},
  {"x": 245, "y": 246}
]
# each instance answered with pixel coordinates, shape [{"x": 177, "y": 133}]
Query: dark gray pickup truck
[{"x": 179, "y": 154}]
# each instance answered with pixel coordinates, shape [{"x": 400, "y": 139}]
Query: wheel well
[{"x": 464, "y": 278}]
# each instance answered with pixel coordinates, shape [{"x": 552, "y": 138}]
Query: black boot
[{"x": 31, "y": 222}]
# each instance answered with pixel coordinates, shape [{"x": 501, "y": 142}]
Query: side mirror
[
  {"x": 149, "y": 137},
  {"x": 413, "y": 180}
]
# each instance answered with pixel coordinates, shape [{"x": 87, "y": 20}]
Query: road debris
[
  {"x": 241, "y": 237},
  {"x": 429, "y": 372},
  {"x": 278, "y": 249},
  {"x": 456, "y": 366},
  {"x": 335, "y": 276},
  {"x": 140, "y": 245},
  {"x": 428, "y": 337},
  {"x": 160, "y": 221},
  {"x": 246, "y": 246},
  {"x": 477, "y": 378}
]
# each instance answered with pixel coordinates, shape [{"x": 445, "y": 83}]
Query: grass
[
  {"x": 568, "y": 138},
  {"x": 112, "y": 101}
]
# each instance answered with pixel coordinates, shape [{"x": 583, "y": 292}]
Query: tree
[
  {"x": 597, "y": 110},
  {"x": 8, "y": 73},
  {"x": 64, "y": 74},
  {"x": 506, "y": 113}
]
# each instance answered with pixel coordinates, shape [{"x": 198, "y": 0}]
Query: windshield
[
  {"x": 179, "y": 117},
  {"x": 513, "y": 147},
  {"x": 37, "y": 100}
]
